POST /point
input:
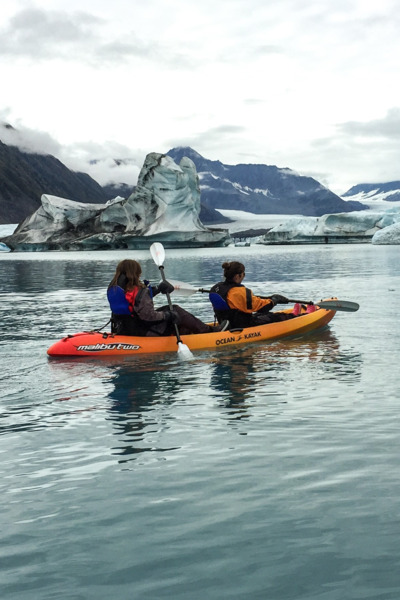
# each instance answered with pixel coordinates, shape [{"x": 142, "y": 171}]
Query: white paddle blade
[
  {"x": 184, "y": 289},
  {"x": 184, "y": 352},
  {"x": 157, "y": 253}
]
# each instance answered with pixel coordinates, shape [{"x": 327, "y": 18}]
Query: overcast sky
[{"x": 312, "y": 85}]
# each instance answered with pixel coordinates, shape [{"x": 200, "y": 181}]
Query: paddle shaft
[
  {"x": 158, "y": 255},
  {"x": 178, "y": 337},
  {"x": 300, "y": 301},
  {"x": 264, "y": 297},
  {"x": 333, "y": 304}
]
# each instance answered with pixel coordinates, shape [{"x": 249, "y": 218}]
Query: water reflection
[
  {"x": 323, "y": 353},
  {"x": 232, "y": 379},
  {"x": 247, "y": 377},
  {"x": 145, "y": 398},
  {"x": 30, "y": 276},
  {"x": 137, "y": 390}
]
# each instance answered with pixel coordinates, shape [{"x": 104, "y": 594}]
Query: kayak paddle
[
  {"x": 186, "y": 289},
  {"x": 158, "y": 255},
  {"x": 333, "y": 304}
]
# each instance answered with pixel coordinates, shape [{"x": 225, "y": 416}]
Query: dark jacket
[
  {"x": 242, "y": 304},
  {"x": 138, "y": 317}
]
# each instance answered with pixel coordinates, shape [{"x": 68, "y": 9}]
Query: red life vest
[{"x": 131, "y": 297}]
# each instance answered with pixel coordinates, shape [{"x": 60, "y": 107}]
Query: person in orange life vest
[
  {"x": 133, "y": 312},
  {"x": 245, "y": 309}
]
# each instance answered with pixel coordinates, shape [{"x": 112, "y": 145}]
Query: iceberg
[
  {"x": 377, "y": 227},
  {"x": 388, "y": 235},
  {"x": 164, "y": 207},
  {"x": 5, "y": 229}
]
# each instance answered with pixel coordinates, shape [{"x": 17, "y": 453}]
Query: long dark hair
[
  {"x": 127, "y": 275},
  {"x": 231, "y": 269}
]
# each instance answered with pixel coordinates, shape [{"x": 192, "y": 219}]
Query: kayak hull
[{"x": 94, "y": 343}]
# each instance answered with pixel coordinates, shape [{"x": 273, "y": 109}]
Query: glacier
[
  {"x": 376, "y": 227},
  {"x": 164, "y": 207}
]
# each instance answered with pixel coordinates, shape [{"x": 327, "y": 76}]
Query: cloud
[
  {"x": 206, "y": 140},
  {"x": 368, "y": 150},
  {"x": 27, "y": 140},
  {"x": 35, "y": 33},
  {"x": 211, "y": 143},
  {"x": 254, "y": 101},
  {"x": 109, "y": 162},
  {"x": 117, "y": 51},
  {"x": 267, "y": 49},
  {"x": 387, "y": 127},
  {"x": 286, "y": 83}
]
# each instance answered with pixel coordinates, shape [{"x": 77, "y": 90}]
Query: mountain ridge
[
  {"x": 255, "y": 188},
  {"x": 24, "y": 177},
  {"x": 389, "y": 192},
  {"x": 262, "y": 189}
]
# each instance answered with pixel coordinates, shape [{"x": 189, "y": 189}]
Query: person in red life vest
[
  {"x": 241, "y": 307},
  {"x": 133, "y": 311}
]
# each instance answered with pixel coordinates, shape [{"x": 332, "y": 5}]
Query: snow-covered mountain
[
  {"x": 252, "y": 188},
  {"x": 262, "y": 189},
  {"x": 375, "y": 194}
]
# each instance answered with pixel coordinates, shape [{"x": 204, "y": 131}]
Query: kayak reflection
[
  {"x": 248, "y": 377},
  {"x": 160, "y": 406},
  {"x": 142, "y": 394}
]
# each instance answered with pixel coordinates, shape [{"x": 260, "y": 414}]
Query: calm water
[{"x": 269, "y": 472}]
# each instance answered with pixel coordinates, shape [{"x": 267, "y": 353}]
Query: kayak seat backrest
[
  {"x": 218, "y": 302},
  {"x": 118, "y": 303}
]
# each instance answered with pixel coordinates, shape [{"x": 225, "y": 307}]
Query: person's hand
[
  {"x": 165, "y": 287},
  {"x": 278, "y": 299},
  {"x": 171, "y": 316}
]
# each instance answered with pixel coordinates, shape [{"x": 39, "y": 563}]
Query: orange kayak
[{"x": 95, "y": 343}]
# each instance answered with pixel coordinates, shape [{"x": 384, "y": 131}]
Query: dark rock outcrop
[{"x": 24, "y": 177}]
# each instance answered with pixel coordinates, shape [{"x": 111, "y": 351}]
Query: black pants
[
  {"x": 242, "y": 320},
  {"x": 188, "y": 323},
  {"x": 271, "y": 317}
]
